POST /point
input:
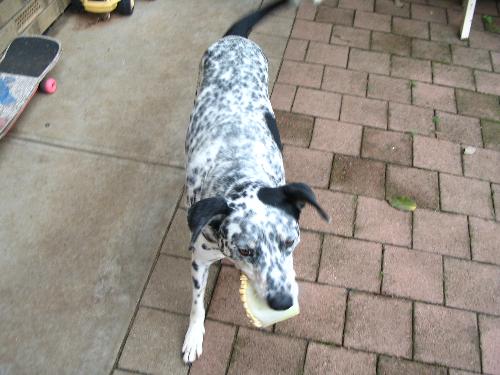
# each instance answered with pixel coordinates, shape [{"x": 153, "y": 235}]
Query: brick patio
[{"x": 372, "y": 101}]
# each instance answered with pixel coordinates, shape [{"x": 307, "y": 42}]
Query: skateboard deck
[{"x": 24, "y": 65}]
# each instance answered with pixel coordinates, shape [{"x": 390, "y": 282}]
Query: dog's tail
[{"x": 244, "y": 26}]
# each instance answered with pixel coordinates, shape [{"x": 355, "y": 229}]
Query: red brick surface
[
  {"x": 490, "y": 343},
  {"x": 367, "y": 61},
  {"x": 413, "y": 274},
  {"x": 441, "y": 233},
  {"x": 431, "y": 153},
  {"x": 458, "y": 129},
  {"x": 323, "y": 359},
  {"x": 420, "y": 185},
  {"x": 387, "y": 146},
  {"x": 309, "y": 166},
  {"x": 405, "y": 67},
  {"x": 349, "y": 36},
  {"x": 472, "y": 286},
  {"x": 393, "y": 366},
  {"x": 300, "y": 74},
  {"x": 345, "y": 81},
  {"x": 339, "y": 137},
  {"x": 378, "y": 324},
  {"x": 485, "y": 240},
  {"x": 306, "y": 256},
  {"x": 351, "y": 263},
  {"x": 322, "y": 53},
  {"x": 483, "y": 164},
  {"x": 311, "y": 30},
  {"x": 358, "y": 176},
  {"x": 321, "y": 321},
  {"x": 377, "y": 221},
  {"x": 466, "y": 196},
  {"x": 257, "y": 353},
  {"x": 363, "y": 111},
  {"x": 446, "y": 336},
  {"x": 407, "y": 118},
  {"x": 317, "y": 103}
]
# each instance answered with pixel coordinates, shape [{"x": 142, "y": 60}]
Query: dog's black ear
[
  {"x": 206, "y": 212},
  {"x": 291, "y": 198}
]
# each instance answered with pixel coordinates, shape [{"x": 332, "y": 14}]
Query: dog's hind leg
[{"x": 201, "y": 258}]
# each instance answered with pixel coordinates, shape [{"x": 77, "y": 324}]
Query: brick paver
[
  {"x": 412, "y": 274},
  {"x": 490, "y": 342},
  {"x": 379, "y": 324},
  {"x": 358, "y": 176},
  {"x": 388, "y": 88},
  {"x": 372, "y": 21},
  {"x": 318, "y": 321},
  {"x": 300, "y": 74},
  {"x": 441, "y": 233},
  {"x": 256, "y": 353},
  {"x": 390, "y": 43},
  {"x": 408, "y": 118},
  {"x": 294, "y": 129},
  {"x": 419, "y": 184},
  {"x": 377, "y": 221},
  {"x": 217, "y": 347},
  {"x": 472, "y": 286},
  {"x": 458, "y": 129},
  {"x": 405, "y": 67},
  {"x": 339, "y": 206},
  {"x": 388, "y": 146},
  {"x": 309, "y": 166},
  {"x": 394, "y": 366},
  {"x": 306, "y": 255},
  {"x": 466, "y": 196},
  {"x": 311, "y": 30},
  {"x": 336, "y": 16},
  {"x": 322, "y": 53},
  {"x": 437, "y": 329},
  {"x": 317, "y": 103},
  {"x": 483, "y": 164},
  {"x": 364, "y": 111},
  {"x": 349, "y": 36},
  {"x": 411, "y": 28},
  {"x": 496, "y": 199},
  {"x": 282, "y": 97},
  {"x": 455, "y": 76},
  {"x": 368, "y": 61},
  {"x": 178, "y": 237},
  {"x": 339, "y": 137},
  {"x": 345, "y": 81},
  {"x": 485, "y": 240},
  {"x": 296, "y": 49},
  {"x": 428, "y": 13},
  {"x": 351, "y": 263},
  {"x": 473, "y": 58},
  {"x": 491, "y": 134},
  {"x": 431, "y": 153},
  {"x": 477, "y": 104},
  {"x": 436, "y": 51},
  {"x": 323, "y": 359},
  {"x": 434, "y": 96}
]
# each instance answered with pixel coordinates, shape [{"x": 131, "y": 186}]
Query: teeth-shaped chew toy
[{"x": 258, "y": 311}]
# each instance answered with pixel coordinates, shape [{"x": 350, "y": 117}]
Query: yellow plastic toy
[{"x": 105, "y": 7}]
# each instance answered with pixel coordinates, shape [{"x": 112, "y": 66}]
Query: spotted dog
[{"x": 240, "y": 206}]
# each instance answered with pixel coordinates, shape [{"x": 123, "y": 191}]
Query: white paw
[{"x": 193, "y": 343}]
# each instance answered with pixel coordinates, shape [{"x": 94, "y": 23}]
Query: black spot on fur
[
  {"x": 196, "y": 283},
  {"x": 195, "y": 265},
  {"x": 271, "y": 124}
]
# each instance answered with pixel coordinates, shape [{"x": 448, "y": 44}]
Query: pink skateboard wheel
[{"x": 48, "y": 85}]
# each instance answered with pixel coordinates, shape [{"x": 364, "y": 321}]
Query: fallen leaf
[{"x": 403, "y": 203}]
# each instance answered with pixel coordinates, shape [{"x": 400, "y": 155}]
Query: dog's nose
[{"x": 280, "y": 301}]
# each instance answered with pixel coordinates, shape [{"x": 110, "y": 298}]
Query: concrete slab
[
  {"x": 126, "y": 86},
  {"x": 78, "y": 235}
]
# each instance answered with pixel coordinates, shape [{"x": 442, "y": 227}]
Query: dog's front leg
[{"x": 201, "y": 261}]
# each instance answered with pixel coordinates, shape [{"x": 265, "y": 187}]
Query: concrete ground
[{"x": 372, "y": 101}]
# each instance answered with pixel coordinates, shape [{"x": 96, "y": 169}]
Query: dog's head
[{"x": 258, "y": 229}]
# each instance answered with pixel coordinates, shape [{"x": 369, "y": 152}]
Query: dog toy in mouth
[{"x": 257, "y": 310}]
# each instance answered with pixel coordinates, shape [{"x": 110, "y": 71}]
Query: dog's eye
[
  {"x": 246, "y": 252},
  {"x": 289, "y": 243}
]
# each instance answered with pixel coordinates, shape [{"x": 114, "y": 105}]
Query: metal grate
[{"x": 28, "y": 15}]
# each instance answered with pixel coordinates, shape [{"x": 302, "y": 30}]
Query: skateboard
[{"x": 23, "y": 69}]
